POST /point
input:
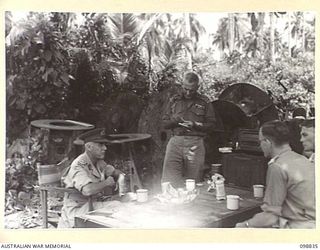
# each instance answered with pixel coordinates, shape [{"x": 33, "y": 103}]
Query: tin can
[{"x": 220, "y": 190}]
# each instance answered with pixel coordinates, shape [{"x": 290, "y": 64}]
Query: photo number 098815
[{"x": 309, "y": 246}]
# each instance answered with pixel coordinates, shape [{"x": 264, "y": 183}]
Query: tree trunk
[
  {"x": 231, "y": 31},
  {"x": 272, "y": 37},
  {"x": 289, "y": 34},
  {"x": 260, "y": 32},
  {"x": 302, "y": 33},
  {"x": 188, "y": 36}
]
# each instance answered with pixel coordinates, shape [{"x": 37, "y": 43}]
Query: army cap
[{"x": 95, "y": 135}]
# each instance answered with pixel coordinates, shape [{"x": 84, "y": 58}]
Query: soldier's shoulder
[
  {"x": 80, "y": 161},
  {"x": 203, "y": 98}
]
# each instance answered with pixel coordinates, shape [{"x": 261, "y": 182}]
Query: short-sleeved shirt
[
  {"x": 290, "y": 191},
  {"x": 83, "y": 172}
]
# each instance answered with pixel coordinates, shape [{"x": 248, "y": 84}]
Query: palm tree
[
  {"x": 231, "y": 29},
  {"x": 272, "y": 37},
  {"x": 131, "y": 33},
  {"x": 295, "y": 27},
  {"x": 231, "y": 34},
  {"x": 289, "y": 33},
  {"x": 303, "y": 37},
  {"x": 221, "y": 37},
  {"x": 188, "y": 36}
]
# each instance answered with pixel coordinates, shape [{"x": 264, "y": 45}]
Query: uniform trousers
[{"x": 184, "y": 159}]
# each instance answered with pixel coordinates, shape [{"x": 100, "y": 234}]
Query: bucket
[{"x": 49, "y": 175}]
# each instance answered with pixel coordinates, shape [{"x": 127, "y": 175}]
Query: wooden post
[
  {"x": 44, "y": 207},
  {"x": 134, "y": 176}
]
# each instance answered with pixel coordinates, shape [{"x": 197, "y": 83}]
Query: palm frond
[
  {"x": 147, "y": 26},
  {"x": 20, "y": 31},
  {"x": 123, "y": 25}
]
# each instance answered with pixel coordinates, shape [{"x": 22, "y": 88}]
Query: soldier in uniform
[
  {"x": 190, "y": 116},
  {"x": 91, "y": 176},
  {"x": 290, "y": 177},
  {"x": 308, "y": 138},
  {"x": 294, "y": 125}
]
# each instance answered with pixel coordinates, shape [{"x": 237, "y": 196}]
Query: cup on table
[
  {"x": 233, "y": 202},
  {"x": 190, "y": 184},
  {"x": 142, "y": 195},
  {"x": 165, "y": 187},
  {"x": 258, "y": 191}
]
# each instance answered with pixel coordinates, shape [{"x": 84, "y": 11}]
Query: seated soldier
[
  {"x": 298, "y": 116},
  {"x": 308, "y": 138},
  {"x": 289, "y": 200},
  {"x": 90, "y": 175}
]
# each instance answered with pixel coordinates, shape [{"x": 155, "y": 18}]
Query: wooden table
[{"x": 204, "y": 212}]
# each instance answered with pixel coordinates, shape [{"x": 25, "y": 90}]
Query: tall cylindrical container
[{"x": 220, "y": 190}]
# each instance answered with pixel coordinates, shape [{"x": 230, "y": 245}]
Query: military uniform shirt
[
  {"x": 81, "y": 173},
  {"x": 197, "y": 109},
  {"x": 290, "y": 191}
]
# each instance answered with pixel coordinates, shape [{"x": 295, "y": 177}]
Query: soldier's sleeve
[
  {"x": 209, "y": 119},
  {"x": 169, "y": 121},
  {"x": 276, "y": 190},
  {"x": 80, "y": 177}
]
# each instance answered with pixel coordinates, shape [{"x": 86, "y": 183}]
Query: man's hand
[
  {"x": 110, "y": 182},
  {"x": 177, "y": 118},
  {"x": 187, "y": 124},
  {"x": 242, "y": 224}
]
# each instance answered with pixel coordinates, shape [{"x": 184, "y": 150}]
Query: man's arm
[
  {"x": 170, "y": 123},
  {"x": 209, "y": 120},
  {"x": 170, "y": 120},
  {"x": 275, "y": 195},
  {"x": 82, "y": 181},
  {"x": 96, "y": 187},
  {"x": 264, "y": 219}
]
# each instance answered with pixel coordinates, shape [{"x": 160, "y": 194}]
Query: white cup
[
  {"x": 142, "y": 195},
  {"x": 258, "y": 191},
  {"x": 233, "y": 202},
  {"x": 190, "y": 184},
  {"x": 165, "y": 187}
]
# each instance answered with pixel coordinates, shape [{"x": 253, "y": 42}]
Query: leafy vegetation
[{"x": 106, "y": 69}]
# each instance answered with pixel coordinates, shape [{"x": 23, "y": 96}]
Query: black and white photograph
[{"x": 160, "y": 120}]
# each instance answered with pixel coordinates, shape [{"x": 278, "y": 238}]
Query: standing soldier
[{"x": 190, "y": 117}]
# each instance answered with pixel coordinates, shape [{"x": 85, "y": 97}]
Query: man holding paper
[{"x": 190, "y": 116}]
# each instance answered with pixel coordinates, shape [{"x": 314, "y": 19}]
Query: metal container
[{"x": 220, "y": 190}]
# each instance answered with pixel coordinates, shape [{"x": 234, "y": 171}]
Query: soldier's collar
[{"x": 278, "y": 155}]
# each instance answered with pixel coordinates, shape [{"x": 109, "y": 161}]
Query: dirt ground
[{"x": 28, "y": 215}]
